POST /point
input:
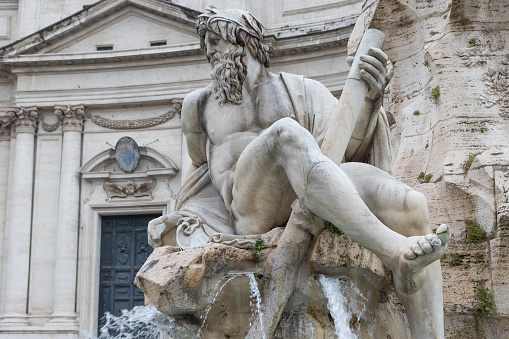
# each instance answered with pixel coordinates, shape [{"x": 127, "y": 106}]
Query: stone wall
[{"x": 449, "y": 111}]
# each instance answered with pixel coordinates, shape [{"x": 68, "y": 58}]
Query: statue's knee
[
  {"x": 416, "y": 207},
  {"x": 285, "y": 130}
]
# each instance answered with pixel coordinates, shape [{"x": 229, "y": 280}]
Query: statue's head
[{"x": 226, "y": 36}]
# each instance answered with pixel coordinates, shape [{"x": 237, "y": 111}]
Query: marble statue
[{"x": 254, "y": 138}]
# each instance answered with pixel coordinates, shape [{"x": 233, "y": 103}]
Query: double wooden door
[{"x": 124, "y": 249}]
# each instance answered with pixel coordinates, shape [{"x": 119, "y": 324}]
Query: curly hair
[{"x": 234, "y": 33}]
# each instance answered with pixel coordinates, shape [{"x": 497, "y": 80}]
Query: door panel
[{"x": 124, "y": 249}]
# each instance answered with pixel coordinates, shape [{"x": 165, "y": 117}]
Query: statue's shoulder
[
  {"x": 194, "y": 101},
  {"x": 300, "y": 83},
  {"x": 198, "y": 96},
  {"x": 192, "y": 108}
]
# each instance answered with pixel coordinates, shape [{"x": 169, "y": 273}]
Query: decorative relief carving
[
  {"x": 177, "y": 105},
  {"x": 5, "y": 127},
  {"x": 70, "y": 117},
  {"x": 496, "y": 90},
  {"x": 130, "y": 189},
  {"x": 481, "y": 50},
  {"x": 486, "y": 52},
  {"x": 23, "y": 119},
  {"x": 138, "y": 123}
]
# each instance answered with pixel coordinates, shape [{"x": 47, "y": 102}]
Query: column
[
  {"x": 5, "y": 138},
  {"x": 68, "y": 215},
  {"x": 20, "y": 221}
]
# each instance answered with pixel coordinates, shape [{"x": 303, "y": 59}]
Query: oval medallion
[{"x": 127, "y": 154}]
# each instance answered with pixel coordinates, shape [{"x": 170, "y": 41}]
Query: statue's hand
[
  {"x": 158, "y": 227},
  {"x": 376, "y": 70}
]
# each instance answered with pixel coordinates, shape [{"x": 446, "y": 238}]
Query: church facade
[{"x": 90, "y": 141}]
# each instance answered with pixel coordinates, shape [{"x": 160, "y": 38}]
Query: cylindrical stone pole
[
  {"x": 20, "y": 221},
  {"x": 68, "y": 214}
]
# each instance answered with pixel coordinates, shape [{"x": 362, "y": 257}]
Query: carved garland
[
  {"x": 139, "y": 123},
  {"x": 132, "y": 124}
]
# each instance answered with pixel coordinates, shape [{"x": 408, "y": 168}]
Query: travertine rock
[{"x": 460, "y": 48}]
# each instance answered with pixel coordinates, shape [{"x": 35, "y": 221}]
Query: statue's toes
[{"x": 444, "y": 233}]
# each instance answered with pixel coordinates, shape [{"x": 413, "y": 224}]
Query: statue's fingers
[
  {"x": 379, "y": 54},
  {"x": 425, "y": 245},
  {"x": 372, "y": 83},
  {"x": 379, "y": 78},
  {"x": 369, "y": 60}
]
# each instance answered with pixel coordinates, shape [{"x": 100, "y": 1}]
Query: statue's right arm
[
  {"x": 196, "y": 146},
  {"x": 196, "y": 138}
]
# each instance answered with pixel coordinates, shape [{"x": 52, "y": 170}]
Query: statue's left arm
[{"x": 374, "y": 71}]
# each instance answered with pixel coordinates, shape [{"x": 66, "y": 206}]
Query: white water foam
[
  {"x": 255, "y": 299},
  {"x": 140, "y": 322},
  {"x": 341, "y": 310}
]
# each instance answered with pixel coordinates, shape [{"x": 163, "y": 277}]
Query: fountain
[{"x": 268, "y": 155}]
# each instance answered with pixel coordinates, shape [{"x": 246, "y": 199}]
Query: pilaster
[
  {"x": 72, "y": 119},
  {"x": 5, "y": 138},
  {"x": 20, "y": 219}
]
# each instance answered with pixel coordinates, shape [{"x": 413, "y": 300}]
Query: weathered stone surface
[
  {"x": 182, "y": 282},
  {"x": 459, "y": 47}
]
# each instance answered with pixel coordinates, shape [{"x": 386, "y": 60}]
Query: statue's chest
[{"x": 254, "y": 116}]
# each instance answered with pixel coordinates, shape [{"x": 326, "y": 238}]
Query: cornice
[
  {"x": 8, "y": 5},
  {"x": 311, "y": 41}
]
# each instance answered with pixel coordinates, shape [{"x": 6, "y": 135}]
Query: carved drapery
[
  {"x": 138, "y": 123},
  {"x": 23, "y": 119}
]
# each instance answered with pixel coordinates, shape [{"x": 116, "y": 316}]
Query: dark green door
[{"x": 124, "y": 249}]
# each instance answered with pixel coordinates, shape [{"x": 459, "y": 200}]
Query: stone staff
[{"x": 348, "y": 108}]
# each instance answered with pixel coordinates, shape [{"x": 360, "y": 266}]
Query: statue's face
[
  {"x": 129, "y": 189},
  {"x": 214, "y": 44}
]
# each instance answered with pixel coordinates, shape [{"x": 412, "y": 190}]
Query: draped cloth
[{"x": 204, "y": 216}]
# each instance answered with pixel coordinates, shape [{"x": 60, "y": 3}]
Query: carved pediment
[
  {"x": 125, "y": 24},
  {"x": 103, "y": 167},
  {"x": 149, "y": 181}
]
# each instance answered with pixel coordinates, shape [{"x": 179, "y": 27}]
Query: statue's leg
[
  {"x": 328, "y": 192},
  {"x": 405, "y": 211}
]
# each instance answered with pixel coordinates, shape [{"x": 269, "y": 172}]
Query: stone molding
[
  {"x": 138, "y": 123},
  {"x": 23, "y": 119}
]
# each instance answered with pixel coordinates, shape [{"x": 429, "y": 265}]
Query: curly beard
[{"x": 228, "y": 73}]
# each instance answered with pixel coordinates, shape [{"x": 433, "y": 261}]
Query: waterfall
[{"x": 337, "y": 291}]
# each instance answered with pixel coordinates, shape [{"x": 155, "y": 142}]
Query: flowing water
[
  {"x": 148, "y": 323},
  {"x": 212, "y": 303},
  {"x": 140, "y": 322},
  {"x": 340, "y": 293},
  {"x": 255, "y": 299}
]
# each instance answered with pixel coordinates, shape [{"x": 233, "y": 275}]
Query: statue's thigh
[{"x": 262, "y": 193}]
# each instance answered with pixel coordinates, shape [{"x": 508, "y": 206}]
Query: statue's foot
[{"x": 417, "y": 253}]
